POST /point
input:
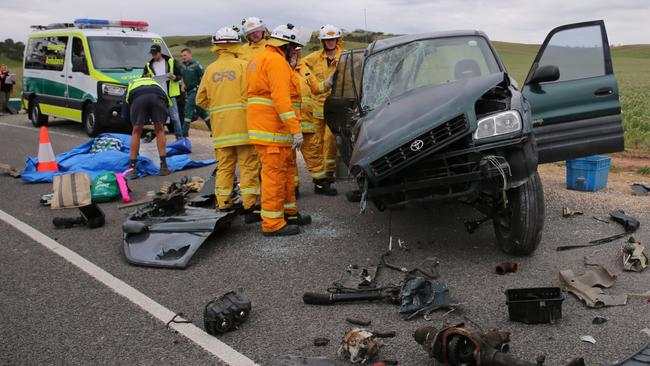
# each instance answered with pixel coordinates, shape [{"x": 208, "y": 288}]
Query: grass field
[{"x": 631, "y": 65}]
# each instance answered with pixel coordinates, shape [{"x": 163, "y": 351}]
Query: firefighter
[
  {"x": 255, "y": 33},
  {"x": 323, "y": 64},
  {"x": 312, "y": 147},
  {"x": 223, "y": 93},
  {"x": 274, "y": 129}
]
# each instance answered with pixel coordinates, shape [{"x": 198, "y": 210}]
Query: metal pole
[{"x": 365, "y": 21}]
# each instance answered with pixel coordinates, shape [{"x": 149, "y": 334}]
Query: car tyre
[
  {"x": 36, "y": 115},
  {"x": 518, "y": 226},
  {"x": 90, "y": 123}
]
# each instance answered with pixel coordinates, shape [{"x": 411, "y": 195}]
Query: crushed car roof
[{"x": 391, "y": 42}]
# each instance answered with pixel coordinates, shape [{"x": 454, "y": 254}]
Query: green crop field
[{"x": 631, "y": 65}]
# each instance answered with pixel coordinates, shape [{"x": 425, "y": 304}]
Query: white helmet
[
  {"x": 252, "y": 24},
  {"x": 287, "y": 33},
  {"x": 329, "y": 32},
  {"x": 225, "y": 35}
]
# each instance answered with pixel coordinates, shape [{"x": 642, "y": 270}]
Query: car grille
[{"x": 430, "y": 140}]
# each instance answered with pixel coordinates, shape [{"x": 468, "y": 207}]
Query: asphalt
[{"x": 86, "y": 323}]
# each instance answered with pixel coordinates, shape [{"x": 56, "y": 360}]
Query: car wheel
[
  {"x": 35, "y": 115},
  {"x": 518, "y": 226},
  {"x": 90, "y": 123}
]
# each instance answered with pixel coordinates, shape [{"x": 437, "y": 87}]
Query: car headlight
[
  {"x": 498, "y": 124},
  {"x": 113, "y": 90}
]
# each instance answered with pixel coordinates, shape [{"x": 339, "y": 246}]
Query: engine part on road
[
  {"x": 588, "y": 287},
  {"x": 538, "y": 305},
  {"x": 360, "y": 277},
  {"x": 321, "y": 342},
  {"x": 429, "y": 267},
  {"x": 459, "y": 345},
  {"x": 358, "y": 346},
  {"x": 361, "y": 322},
  {"x": 420, "y": 296},
  {"x": 389, "y": 294},
  {"x": 634, "y": 257},
  {"x": 226, "y": 313},
  {"x": 305, "y": 361},
  {"x": 507, "y": 267},
  {"x": 472, "y": 225},
  {"x": 567, "y": 212}
]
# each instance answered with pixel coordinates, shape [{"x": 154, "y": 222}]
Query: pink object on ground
[{"x": 124, "y": 189}]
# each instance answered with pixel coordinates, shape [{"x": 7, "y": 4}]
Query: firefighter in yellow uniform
[
  {"x": 274, "y": 129},
  {"x": 223, "y": 92},
  {"x": 323, "y": 64},
  {"x": 312, "y": 147},
  {"x": 255, "y": 33}
]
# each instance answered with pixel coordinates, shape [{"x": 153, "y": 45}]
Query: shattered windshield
[{"x": 395, "y": 71}]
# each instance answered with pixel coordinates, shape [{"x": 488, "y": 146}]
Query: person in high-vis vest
[
  {"x": 223, "y": 93},
  {"x": 323, "y": 64},
  {"x": 144, "y": 101},
  {"x": 166, "y": 67},
  {"x": 255, "y": 34},
  {"x": 274, "y": 129},
  {"x": 312, "y": 147}
]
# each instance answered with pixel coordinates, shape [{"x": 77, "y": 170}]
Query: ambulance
[{"x": 79, "y": 71}]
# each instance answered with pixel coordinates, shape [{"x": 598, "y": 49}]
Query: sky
[{"x": 522, "y": 21}]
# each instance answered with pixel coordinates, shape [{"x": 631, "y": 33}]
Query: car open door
[
  {"x": 342, "y": 104},
  {"x": 576, "y": 113}
]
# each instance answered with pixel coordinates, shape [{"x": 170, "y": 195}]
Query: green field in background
[{"x": 631, "y": 65}]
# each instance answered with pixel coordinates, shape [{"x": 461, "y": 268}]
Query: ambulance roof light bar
[{"x": 97, "y": 23}]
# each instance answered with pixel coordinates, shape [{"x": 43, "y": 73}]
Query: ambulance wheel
[
  {"x": 35, "y": 115},
  {"x": 90, "y": 121}
]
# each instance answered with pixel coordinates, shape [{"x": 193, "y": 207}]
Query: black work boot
[
  {"x": 323, "y": 186},
  {"x": 252, "y": 215},
  {"x": 297, "y": 219},
  {"x": 285, "y": 231}
]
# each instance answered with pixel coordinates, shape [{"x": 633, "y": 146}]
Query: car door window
[
  {"x": 577, "y": 52},
  {"x": 352, "y": 75},
  {"x": 79, "y": 63}
]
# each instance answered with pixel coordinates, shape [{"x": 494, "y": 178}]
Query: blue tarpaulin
[{"x": 80, "y": 159}]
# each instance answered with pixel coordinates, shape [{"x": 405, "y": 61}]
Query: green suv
[{"x": 433, "y": 117}]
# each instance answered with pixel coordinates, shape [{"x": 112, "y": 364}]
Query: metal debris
[
  {"x": 588, "y": 339},
  {"x": 588, "y": 287},
  {"x": 567, "y": 212},
  {"x": 321, "y": 341},
  {"x": 358, "y": 346},
  {"x": 634, "y": 257}
]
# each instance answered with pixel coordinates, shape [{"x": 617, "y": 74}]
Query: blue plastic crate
[{"x": 587, "y": 174}]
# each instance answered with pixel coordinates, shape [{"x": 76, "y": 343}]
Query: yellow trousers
[
  {"x": 329, "y": 145},
  {"x": 312, "y": 152},
  {"x": 249, "y": 183}
]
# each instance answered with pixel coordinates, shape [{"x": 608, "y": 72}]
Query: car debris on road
[{"x": 588, "y": 287}]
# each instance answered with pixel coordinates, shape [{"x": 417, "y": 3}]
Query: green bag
[{"x": 104, "y": 188}]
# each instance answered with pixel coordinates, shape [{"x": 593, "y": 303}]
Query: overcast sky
[{"x": 525, "y": 21}]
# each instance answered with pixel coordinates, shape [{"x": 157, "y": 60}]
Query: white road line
[
  {"x": 211, "y": 344},
  {"x": 49, "y": 131}
]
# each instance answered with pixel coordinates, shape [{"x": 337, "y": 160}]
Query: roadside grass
[
  {"x": 645, "y": 170},
  {"x": 631, "y": 65}
]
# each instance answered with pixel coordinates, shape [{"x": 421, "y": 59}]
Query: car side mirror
[
  {"x": 79, "y": 65},
  {"x": 544, "y": 74}
]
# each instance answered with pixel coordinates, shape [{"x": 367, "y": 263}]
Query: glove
[
  {"x": 297, "y": 141},
  {"x": 331, "y": 79}
]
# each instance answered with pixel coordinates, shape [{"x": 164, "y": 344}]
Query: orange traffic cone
[{"x": 46, "y": 160}]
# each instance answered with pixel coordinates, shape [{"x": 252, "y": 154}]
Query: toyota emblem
[{"x": 417, "y": 145}]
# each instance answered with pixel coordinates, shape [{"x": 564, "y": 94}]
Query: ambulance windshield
[{"x": 122, "y": 52}]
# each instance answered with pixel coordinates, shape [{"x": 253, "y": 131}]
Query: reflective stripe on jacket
[
  {"x": 222, "y": 93},
  {"x": 271, "y": 83},
  {"x": 136, "y": 83}
]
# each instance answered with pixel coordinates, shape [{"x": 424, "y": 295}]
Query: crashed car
[{"x": 433, "y": 117}]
